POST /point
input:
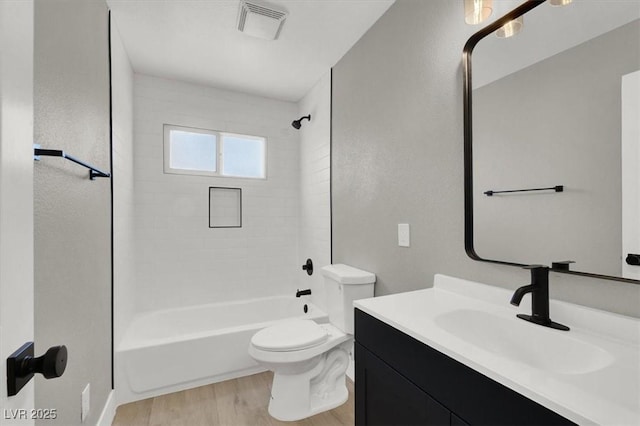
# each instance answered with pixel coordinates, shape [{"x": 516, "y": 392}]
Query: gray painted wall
[
  {"x": 72, "y": 213},
  {"x": 397, "y": 157},
  {"x": 557, "y": 122}
]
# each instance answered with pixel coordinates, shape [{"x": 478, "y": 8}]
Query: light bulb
[
  {"x": 476, "y": 11},
  {"x": 559, "y": 2},
  {"x": 511, "y": 28}
]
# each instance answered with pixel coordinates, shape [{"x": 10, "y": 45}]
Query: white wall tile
[
  {"x": 315, "y": 220},
  {"x": 180, "y": 260}
]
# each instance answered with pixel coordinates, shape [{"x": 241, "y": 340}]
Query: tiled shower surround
[{"x": 180, "y": 260}]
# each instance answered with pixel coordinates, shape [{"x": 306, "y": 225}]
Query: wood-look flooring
[{"x": 241, "y": 402}]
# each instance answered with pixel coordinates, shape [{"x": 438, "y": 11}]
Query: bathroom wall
[
  {"x": 124, "y": 279},
  {"x": 180, "y": 261},
  {"x": 577, "y": 149},
  {"x": 16, "y": 195},
  {"x": 397, "y": 157},
  {"x": 315, "y": 208},
  {"x": 72, "y": 214}
]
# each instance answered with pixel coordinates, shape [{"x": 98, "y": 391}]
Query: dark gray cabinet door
[{"x": 384, "y": 397}]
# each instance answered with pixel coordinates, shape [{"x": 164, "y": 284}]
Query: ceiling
[{"x": 197, "y": 41}]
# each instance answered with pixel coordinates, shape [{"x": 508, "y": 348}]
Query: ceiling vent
[{"x": 260, "y": 21}]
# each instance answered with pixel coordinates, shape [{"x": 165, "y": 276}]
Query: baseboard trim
[{"x": 109, "y": 411}]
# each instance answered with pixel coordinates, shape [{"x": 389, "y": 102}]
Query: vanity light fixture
[
  {"x": 559, "y": 2},
  {"x": 477, "y": 11},
  {"x": 511, "y": 28}
]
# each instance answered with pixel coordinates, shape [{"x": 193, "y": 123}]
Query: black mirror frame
[{"x": 468, "y": 144}]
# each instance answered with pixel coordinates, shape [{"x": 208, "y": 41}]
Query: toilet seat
[
  {"x": 292, "y": 335},
  {"x": 334, "y": 337}
]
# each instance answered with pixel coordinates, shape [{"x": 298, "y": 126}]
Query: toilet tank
[{"x": 343, "y": 285}]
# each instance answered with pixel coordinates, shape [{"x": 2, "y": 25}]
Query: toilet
[{"x": 309, "y": 360}]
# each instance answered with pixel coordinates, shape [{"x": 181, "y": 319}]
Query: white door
[
  {"x": 16, "y": 198},
  {"x": 630, "y": 172}
]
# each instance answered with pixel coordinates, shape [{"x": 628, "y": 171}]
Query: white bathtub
[{"x": 175, "y": 349}]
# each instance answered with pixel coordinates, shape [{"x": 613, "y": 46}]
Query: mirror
[{"x": 555, "y": 108}]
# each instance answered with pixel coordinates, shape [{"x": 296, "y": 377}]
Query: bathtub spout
[{"x": 303, "y": 292}]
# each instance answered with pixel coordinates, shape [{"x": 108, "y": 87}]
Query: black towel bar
[
  {"x": 93, "y": 172},
  {"x": 557, "y": 188}
]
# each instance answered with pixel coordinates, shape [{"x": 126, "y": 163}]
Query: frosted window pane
[
  {"x": 192, "y": 151},
  {"x": 243, "y": 157}
]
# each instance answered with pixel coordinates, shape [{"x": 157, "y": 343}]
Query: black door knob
[
  {"x": 633, "y": 259},
  {"x": 51, "y": 365},
  {"x": 22, "y": 365}
]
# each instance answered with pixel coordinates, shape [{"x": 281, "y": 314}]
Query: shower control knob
[{"x": 308, "y": 266}]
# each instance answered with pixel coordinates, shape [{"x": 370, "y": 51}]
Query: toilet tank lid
[{"x": 345, "y": 274}]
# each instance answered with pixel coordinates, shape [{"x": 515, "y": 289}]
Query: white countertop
[{"x": 608, "y": 393}]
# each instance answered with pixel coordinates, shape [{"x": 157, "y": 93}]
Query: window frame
[{"x": 219, "y": 152}]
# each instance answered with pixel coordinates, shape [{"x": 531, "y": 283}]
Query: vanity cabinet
[
  {"x": 390, "y": 398},
  {"x": 401, "y": 381}
]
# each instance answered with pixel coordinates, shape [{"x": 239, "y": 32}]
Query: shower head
[{"x": 298, "y": 123}]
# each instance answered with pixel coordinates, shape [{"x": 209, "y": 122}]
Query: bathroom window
[{"x": 193, "y": 151}]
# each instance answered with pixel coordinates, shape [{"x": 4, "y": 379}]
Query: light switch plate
[
  {"x": 86, "y": 402},
  {"x": 404, "y": 235}
]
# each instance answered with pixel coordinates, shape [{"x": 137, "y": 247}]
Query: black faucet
[
  {"x": 539, "y": 289},
  {"x": 303, "y": 292}
]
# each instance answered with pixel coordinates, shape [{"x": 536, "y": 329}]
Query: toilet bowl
[{"x": 309, "y": 360}]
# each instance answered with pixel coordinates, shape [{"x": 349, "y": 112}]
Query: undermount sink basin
[{"x": 537, "y": 346}]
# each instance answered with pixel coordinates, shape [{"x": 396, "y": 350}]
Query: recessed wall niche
[{"x": 225, "y": 207}]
